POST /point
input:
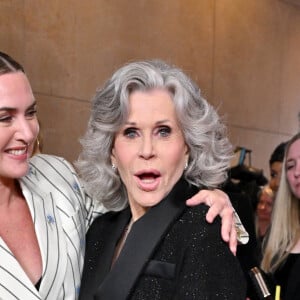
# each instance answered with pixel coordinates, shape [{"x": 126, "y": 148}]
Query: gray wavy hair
[{"x": 205, "y": 134}]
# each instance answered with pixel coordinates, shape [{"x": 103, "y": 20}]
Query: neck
[
  {"x": 263, "y": 227},
  {"x": 296, "y": 248},
  {"x": 8, "y": 191}
]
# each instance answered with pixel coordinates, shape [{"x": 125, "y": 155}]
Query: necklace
[
  {"x": 127, "y": 230},
  {"x": 122, "y": 240}
]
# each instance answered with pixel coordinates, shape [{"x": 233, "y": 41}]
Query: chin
[
  {"x": 151, "y": 202},
  {"x": 21, "y": 173}
]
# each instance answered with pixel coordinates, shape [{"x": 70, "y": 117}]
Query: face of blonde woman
[
  {"x": 293, "y": 168},
  {"x": 18, "y": 125},
  {"x": 149, "y": 150}
]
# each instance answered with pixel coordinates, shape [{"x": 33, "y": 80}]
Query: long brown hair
[{"x": 9, "y": 65}]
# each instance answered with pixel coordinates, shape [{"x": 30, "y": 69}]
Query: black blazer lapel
[
  {"x": 141, "y": 242},
  {"x": 115, "y": 227},
  {"x": 102, "y": 238}
]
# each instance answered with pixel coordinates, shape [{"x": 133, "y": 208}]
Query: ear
[
  {"x": 187, "y": 151},
  {"x": 112, "y": 157}
]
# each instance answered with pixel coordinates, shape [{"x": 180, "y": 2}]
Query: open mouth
[
  {"x": 148, "y": 180},
  {"x": 148, "y": 176}
]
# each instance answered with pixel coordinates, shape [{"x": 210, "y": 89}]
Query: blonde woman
[{"x": 281, "y": 255}]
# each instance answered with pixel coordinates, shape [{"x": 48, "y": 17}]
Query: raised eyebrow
[
  {"x": 163, "y": 122},
  {"x": 8, "y": 109},
  {"x": 290, "y": 159},
  {"x": 158, "y": 122},
  {"x": 34, "y": 104},
  {"x": 12, "y": 109},
  {"x": 130, "y": 123}
]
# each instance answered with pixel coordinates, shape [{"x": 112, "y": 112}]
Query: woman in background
[
  {"x": 266, "y": 197},
  {"x": 263, "y": 216},
  {"x": 275, "y": 164}
]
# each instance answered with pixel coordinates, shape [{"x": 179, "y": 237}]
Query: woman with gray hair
[{"x": 152, "y": 141}]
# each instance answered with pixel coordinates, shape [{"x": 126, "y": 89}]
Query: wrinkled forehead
[{"x": 294, "y": 149}]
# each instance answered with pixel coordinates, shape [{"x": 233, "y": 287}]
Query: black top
[
  {"x": 288, "y": 277},
  {"x": 170, "y": 253},
  {"x": 37, "y": 285}
]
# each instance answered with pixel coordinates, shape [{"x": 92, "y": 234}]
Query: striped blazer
[{"x": 61, "y": 214}]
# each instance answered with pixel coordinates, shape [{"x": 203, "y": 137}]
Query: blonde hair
[{"x": 285, "y": 223}]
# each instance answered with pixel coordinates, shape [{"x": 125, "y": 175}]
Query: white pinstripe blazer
[{"x": 61, "y": 214}]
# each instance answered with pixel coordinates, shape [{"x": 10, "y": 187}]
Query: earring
[
  {"x": 113, "y": 166},
  {"x": 186, "y": 165}
]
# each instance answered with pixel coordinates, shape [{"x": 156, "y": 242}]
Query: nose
[
  {"x": 146, "y": 147},
  {"x": 261, "y": 205},
  {"x": 26, "y": 130},
  {"x": 297, "y": 169}
]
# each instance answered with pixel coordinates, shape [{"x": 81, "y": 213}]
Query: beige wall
[{"x": 243, "y": 53}]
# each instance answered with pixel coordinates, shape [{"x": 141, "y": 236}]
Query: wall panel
[{"x": 243, "y": 54}]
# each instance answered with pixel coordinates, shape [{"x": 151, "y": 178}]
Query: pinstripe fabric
[{"x": 61, "y": 214}]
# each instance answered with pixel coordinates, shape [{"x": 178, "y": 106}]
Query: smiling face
[
  {"x": 293, "y": 168},
  {"x": 18, "y": 125},
  {"x": 149, "y": 150}
]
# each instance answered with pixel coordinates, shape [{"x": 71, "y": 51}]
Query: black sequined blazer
[{"x": 170, "y": 253}]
